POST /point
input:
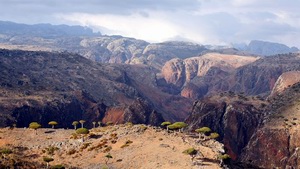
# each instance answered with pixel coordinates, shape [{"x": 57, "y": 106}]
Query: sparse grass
[
  {"x": 84, "y": 146},
  {"x": 127, "y": 143},
  {"x": 107, "y": 149},
  {"x": 71, "y": 152},
  {"x": 6, "y": 151},
  {"x": 51, "y": 150}
]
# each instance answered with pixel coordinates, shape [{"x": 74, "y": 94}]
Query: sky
[{"x": 216, "y": 22}]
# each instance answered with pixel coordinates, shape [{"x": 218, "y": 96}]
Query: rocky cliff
[
  {"x": 276, "y": 142},
  {"x": 234, "y": 116},
  {"x": 285, "y": 81},
  {"x": 193, "y": 71}
]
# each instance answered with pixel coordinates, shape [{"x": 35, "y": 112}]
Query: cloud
[{"x": 203, "y": 21}]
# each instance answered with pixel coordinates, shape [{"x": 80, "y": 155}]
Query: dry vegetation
[{"x": 119, "y": 146}]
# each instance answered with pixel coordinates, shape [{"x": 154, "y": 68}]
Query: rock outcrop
[
  {"x": 180, "y": 72},
  {"x": 284, "y": 81},
  {"x": 276, "y": 142},
  {"x": 258, "y": 78},
  {"x": 234, "y": 117}
]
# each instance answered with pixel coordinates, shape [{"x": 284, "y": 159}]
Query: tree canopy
[
  {"x": 34, "y": 125},
  {"x": 203, "y": 130},
  {"x": 53, "y": 123},
  {"x": 166, "y": 123},
  {"x": 82, "y": 131},
  {"x": 177, "y": 125}
]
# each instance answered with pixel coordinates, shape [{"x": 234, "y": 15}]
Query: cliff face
[
  {"x": 234, "y": 120},
  {"x": 193, "y": 71},
  {"x": 260, "y": 76},
  {"x": 276, "y": 143},
  {"x": 286, "y": 80}
]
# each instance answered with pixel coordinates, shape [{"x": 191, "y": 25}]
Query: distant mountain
[
  {"x": 44, "y": 30},
  {"x": 263, "y": 48},
  {"x": 94, "y": 46}
]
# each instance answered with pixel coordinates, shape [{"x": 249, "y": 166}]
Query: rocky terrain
[
  {"x": 251, "y": 101},
  {"x": 130, "y": 146},
  {"x": 285, "y": 81},
  {"x": 259, "y": 77},
  {"x": 94, "y": 46},
  {"x": 188, "y": 75},
  {"x": 234, "y": 116},
  {"x": 68, "y": 87},
  {"x": 276, "y": 142}
]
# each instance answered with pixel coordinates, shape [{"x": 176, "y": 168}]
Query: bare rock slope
[{"x": 276, "y": 142}]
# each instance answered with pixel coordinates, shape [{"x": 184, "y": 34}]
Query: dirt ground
[{"x": 147, "y": 148}]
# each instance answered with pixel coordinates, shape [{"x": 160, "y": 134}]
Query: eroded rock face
[
  {"x": 235, "y": 121},
  {"x": 284, "y": 81},
  {"x": 140, "y": 112},
  {"x": 179, "y": 72},
  {"x": 260, "y": 77},
  {"x": 78, "y": 106},
  {"x": 276, "y": 143}
]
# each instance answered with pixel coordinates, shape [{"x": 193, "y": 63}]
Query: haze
[{"x": 202, "y": 21}]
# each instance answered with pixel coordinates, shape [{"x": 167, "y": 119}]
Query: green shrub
[
  {"x": 190, "y": 151},
  {"x": 59, "y": 166},
  {"x": 6, "y": 151},
  {"x": 214, "y": 135},
  {"x": 224, "y": 157}
]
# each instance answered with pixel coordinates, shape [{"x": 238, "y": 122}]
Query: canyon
[{"x": 250, "y": 99}]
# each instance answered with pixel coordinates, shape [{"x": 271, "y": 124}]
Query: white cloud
[
  {"x": 203, "y": 21},
  {"x": 134, "y": 25}
]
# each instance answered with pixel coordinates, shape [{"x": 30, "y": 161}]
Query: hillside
[
  {"x": 234, "y": 116},
  {"x": 63, "y": 86},
  {"x": 147, "y": 147},
  {"x": 276, "y": 142}
]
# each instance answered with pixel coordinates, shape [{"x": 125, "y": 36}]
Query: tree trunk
[
  {"x": 53, "y": 126},
  {"x": 81, "y": 125}
]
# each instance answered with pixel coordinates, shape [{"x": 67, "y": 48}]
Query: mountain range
[{"x": 66, "y": 73}]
